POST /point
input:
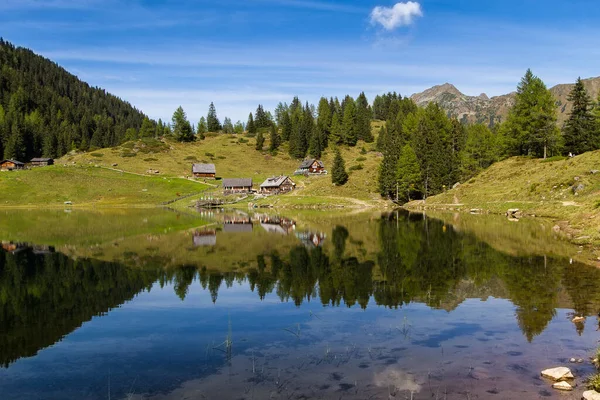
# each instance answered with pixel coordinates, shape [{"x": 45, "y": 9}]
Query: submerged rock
[
  {"x": 591, "y": 395},
  {"x": 558, "y": 373},
  {"x": 562, "y": 386},
  {"x": 577, "y": 320}
]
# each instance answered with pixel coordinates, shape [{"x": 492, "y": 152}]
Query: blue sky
[{"x": 239, "y": 53}]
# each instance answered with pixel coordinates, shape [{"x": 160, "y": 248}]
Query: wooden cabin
[
  {"x": 41, "y": 162},
  {"x": 311, "y": 166},
  {"x": 277, "y": 184},
  {"x": 11, "y": 165},
  {"x": 237, "y": 185},
  {"x": 204, "y": 170}
]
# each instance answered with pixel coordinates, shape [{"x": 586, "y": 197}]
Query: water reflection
[{"x": 395, "y": 261}]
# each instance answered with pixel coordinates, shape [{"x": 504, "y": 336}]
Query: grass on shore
[
  {"x": 566, "y": 190},
  {"x": 89, "y": 186}
]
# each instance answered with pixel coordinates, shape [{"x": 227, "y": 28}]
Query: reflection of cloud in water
[{"x": 393, "y": 376}]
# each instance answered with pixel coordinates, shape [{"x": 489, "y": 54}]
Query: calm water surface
[{"x": 166, "y": 305}]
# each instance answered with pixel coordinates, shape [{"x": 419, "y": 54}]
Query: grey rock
[{"x": 558, "y": 373}]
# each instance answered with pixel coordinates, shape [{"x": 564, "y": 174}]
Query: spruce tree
[
  {"x": 530, "y": 128},
  {"x": 238, "y": 128},
  {"x": 182, "y": 129},
  {"x": 409, "y": 173},
  {"x": 212, "y": 122},
  {"x": 274, "y": 139},
  {"x": 202, "y": 128},
  {"x": 349, "y": 126},
  {"x": 147, "y": 129},
  {"x": 335, "y": 136},
  {"x": 380, "y": 145},
  {"x": 261, "y": 118},
  {"x": 260, "y": 141},
  {"x": 250, "y": 126},
  {"x": 286, "y": 126},
  {"x": 227, "y": 126},
  {"x": 579, "y": 130},
  {"x": 339, "y": 176},
  {"x": 363, "y": 119},
  {"x": 324, "y": 120},
  {"x": 316, "y": 143}
]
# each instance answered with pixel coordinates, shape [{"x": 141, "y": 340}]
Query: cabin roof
[
  {"x": 237, "y": 228},
  {"x": 307, "y": 163},
  {"x": 237, "y": 182},
  {"x": 204, "y": 169},
  {"x": 275, "y": 181},
  {"x": 41, "y": 159},
  {"x": 12, "y": 161}
]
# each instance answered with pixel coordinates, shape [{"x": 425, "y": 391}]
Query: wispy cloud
[{"x": 401, "y": 14}]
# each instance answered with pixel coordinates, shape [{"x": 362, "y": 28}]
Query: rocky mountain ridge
[{"x": 493, "y": 110}]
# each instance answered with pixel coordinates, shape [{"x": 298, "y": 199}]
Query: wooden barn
[
  {"x": 11, "y": 165},
  {"x": 237, "y": 185},
  {"x": 311, "y": 166},
  {"x": 41, "y": 162},
  {"x": 277, "y": 184},
  {"x": 204, "y": 170}
]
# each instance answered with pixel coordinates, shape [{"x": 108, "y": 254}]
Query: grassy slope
[
  {"x": 235, "y": 159},
  {"x": 88, "y": 186},
  {"x": 538, "y": 187}
]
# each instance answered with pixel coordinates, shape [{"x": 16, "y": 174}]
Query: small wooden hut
[
  {"x": 11, "y": 165},
  {"x": 204, "y": 170}
]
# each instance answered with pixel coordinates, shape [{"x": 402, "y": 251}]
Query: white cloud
[{"x": 401, "y": 14}]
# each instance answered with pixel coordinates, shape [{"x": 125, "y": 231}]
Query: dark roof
[
  {"x": 275, "y": 181},
  {"x": 307, "y": 163},
  {"x": 12, "y": 161},
  {"x": 204, "y": 169},
  {"x": 41, "y": 159},
  {"x": 237, "y": 182}
]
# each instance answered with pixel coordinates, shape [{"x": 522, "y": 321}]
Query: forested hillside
[{"x": 46, "y": 111}]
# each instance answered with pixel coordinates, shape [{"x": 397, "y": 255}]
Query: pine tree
[
  {"x": 274, "y": 139},
  {"x": 238, "y": 128},
  {"x": 202, "y": 128},
  {"x": 363, "y": 119},
  {"x": 324, "y": 121},
  {"x": 212, "y": 122},
  {"x": 286, "y": 126},
  {"x": 260, "y": 141},
  {"x": 530, "y": 128},
  {"x": 227, "y": 126},
  {"x": 380, "y": 145},
  {"x": 336, "y": 137},
  {"x": 409, "y": 173},
  {"x": 349, "y": 126},
  {"x": 261, "y": 118},
  {"x": 316, "y": 143},
  {"x": 147, "y": 129},
  {"x": 579, "y": 131},
  {"x": 339, "y": 176},
  {"x": 182, "y": 129},
  {"x": 250, "y": 126},
  {"x": 480, "y": 151}
]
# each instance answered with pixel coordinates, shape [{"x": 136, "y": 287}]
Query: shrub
[
  {"x": 191, "y": 158},
  {"x": 242, "y": 140},
  {"x": 363, "y": 150},
  {"x": 150, "y": 159},
  {"x": 221, "y": 157},
  {"x": 594, "y": 382},
  {"x": 356, "y": 167},
  {"x": 96, "y": 154},
  {"x": 359, "y": 159},
  {"x": 209, "y": 154},
  {"x": 128, "y": 154}
]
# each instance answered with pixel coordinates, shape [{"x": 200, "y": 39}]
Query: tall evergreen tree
[
  {"x": 580, "y": 130},
  {"x": 260, "y": 141},
  {"x": 316, "y": 143},
  {"x": 274, "y": 138},
  {"x": 250, "y": 126},
  {"x": 227, "y": 126},
  {"x": 409, "y": 174},
  {"x": 336, "y": 136},
  {"x": 530, "y": 128},
  {"x": 261, "y": 119},
  {"x": 480, "y": 151},
  {"x": 212, "y": 121},
  {"x": 363, "y": 118},
  {"x": 339, "y": 176},
  {"x": 349, "y": 125},
  {"x": 147, "y": 129},
  {"x": 286, "y": 126},
  {"x": 182, "y": 129},
  {"x": 202, "y": 128},
  {"x": 324, "y": 120}
]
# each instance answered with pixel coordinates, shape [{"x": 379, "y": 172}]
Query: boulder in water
[{"x": 558, "y": 373}]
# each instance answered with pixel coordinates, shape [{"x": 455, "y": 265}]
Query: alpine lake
[{"x": 258, "y": 304}]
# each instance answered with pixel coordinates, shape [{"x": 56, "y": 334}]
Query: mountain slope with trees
[{"x": 46, "y": 111}]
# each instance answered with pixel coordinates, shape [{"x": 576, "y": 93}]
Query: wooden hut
[
  {"x": 277, "y": 184},
  {"x": 311, "y": 166},
  {"x": 237, "y": 185},
  {"x": 11, "y": 165},
  {"x": 204, "y": 170},
  {"x": 41, "y": 162}
]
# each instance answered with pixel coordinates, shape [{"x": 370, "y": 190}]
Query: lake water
[{"x": 152, "y": 304}]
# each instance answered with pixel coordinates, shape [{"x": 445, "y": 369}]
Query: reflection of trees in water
[{"x": 45, "y": 296}]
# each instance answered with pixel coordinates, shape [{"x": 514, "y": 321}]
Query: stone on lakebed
[
  {"x": 562, "y": 386},
  {"x": 591, "y": 395},
  {"x": 558, "y": 373}
]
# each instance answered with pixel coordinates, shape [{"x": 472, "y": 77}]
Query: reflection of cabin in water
[
  {"x": 206, "y": 237},
  {"x": 13, "y": 248},
  {"x": 236, "y": 223},
  {"x": 237, "y": 185},
  {"x": 311, "y": 239},
  {"x": 11, "y": 165},
  {"x": 275, "y": 224},
  {"x": 277, "y": 184}
]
